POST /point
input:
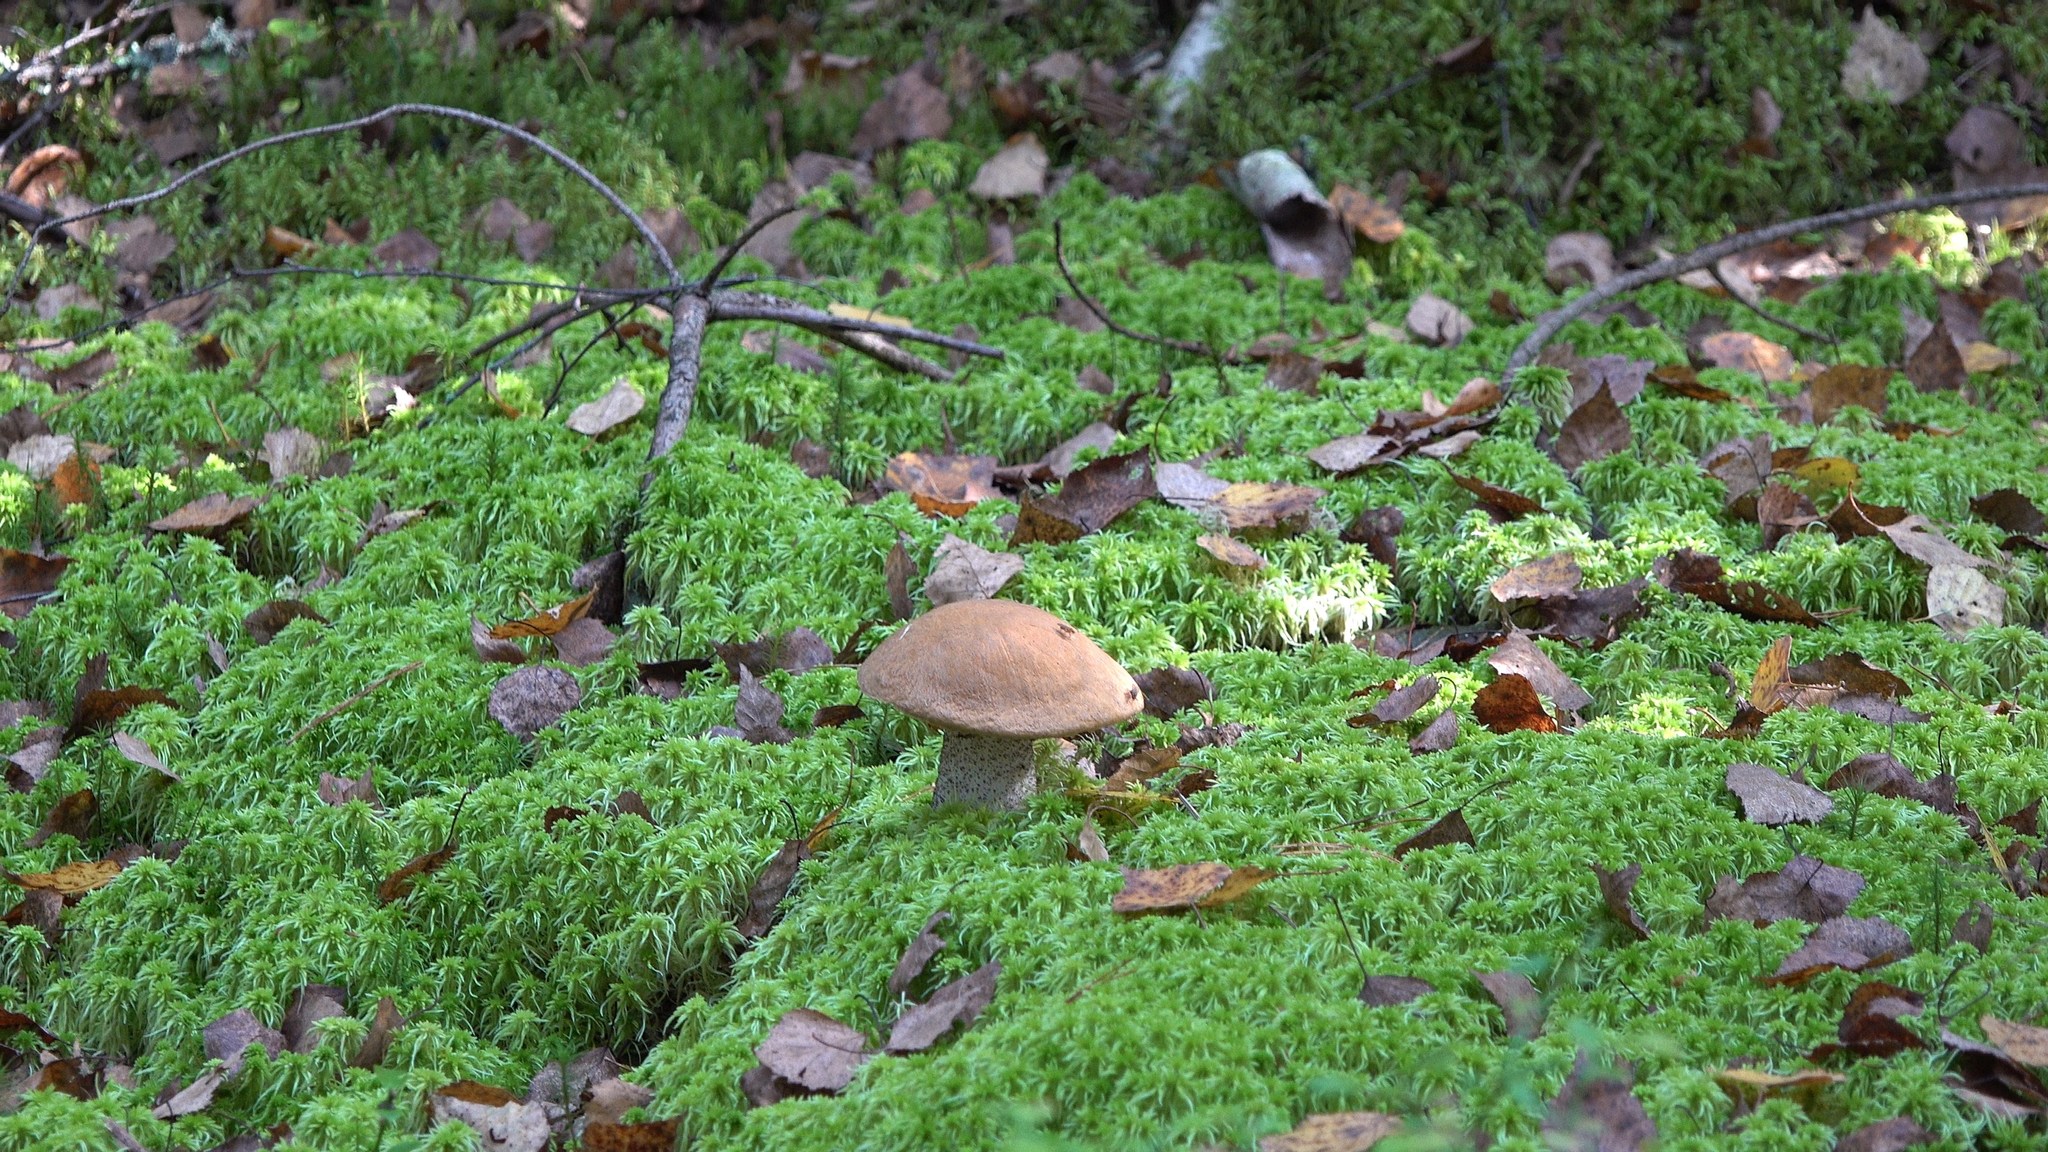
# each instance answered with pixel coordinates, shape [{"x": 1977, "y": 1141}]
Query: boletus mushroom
[{"x": 994, "y": 676}]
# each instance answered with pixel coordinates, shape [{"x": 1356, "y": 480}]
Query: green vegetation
[{"x": 1161, "y": 1032}]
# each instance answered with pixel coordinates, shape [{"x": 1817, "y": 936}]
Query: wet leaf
[
  {"x": 337, "y": 791},
  {"x": 1379, "y": 530},
  {"x": 1772, "y": 800},
  {"x": 312, "y": 1004},
  {"x": 758, "y": 710},
  {"x": 922, "y": 947},
  {"x": 1804, "y": 889},
  {"x": 1449, "y": 829},
  {"x": 409, "y": 251},
  {"x": 101, "y": 708},
  {"x": 506, "y": 1123},
  {"x": 1334, "y": 1132},
  {"x": 1510, "y": 704},
  {"x": 1554, "y": 575},
  {"x": 1870, "y": 1024},
  {"x": 545, "y": 623},
  {"x": 1597, "y": 1109},
  {"x": 1681, "y": 380},
  {"x": 533, "y": 698},
  {"x": 1748, "y": 352},
  {"x": 271, "y": 618},
  {"x": 1088, "y": 501},
  {"x": 213, "y": 515},
  {"x": 583, "y": 643},
  {"x": 1578, "y": 258},
  {"x": 1992, "y": 1081},
  {"x": 1520, "y": 1006},
  {"x": 1847, "y": 942},
  {"x": 1749, "y": 1087},
  {"x": 1844, "y": 385},
  {"x": 1851, "y": 673},
  {"x": 1974, "y": 927},
  {"x": 796, "y": 651},
  {"x": 2011, "y": 510},
  {"x": 26, "y": 577},
  {"x": 772, "y": 885},
  {"x": 910, "y": 109},
  {"x": 229, "y": 1038},
  {"x": 813, "y": 1051},
  {"x": 1348, "y": 454},
  {"x": 73, "y": 815},
  {"x": 647, "y": 1136},
  {"x": 612, "y": 410},
  {"x": 1697, "y": 574},
  {"x": 399, "y": 884},
  {"x": 1183, "y": 886},
  {"x": 942, "y": 485},
  {"x": 1141, "y": 766},
  {"x": 1517, "y": 655},
  {"x": 953, "y": 1006}
]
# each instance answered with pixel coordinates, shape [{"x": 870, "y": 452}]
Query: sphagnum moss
[{"x": 1160, "y": 1032}]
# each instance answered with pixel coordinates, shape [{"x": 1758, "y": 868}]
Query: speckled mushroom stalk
[{"x": 999, "y": 772}]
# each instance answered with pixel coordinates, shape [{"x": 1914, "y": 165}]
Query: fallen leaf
[
  {"x": 1743, "y": 466},
  {"x": 503, "y": 1122},
  {"x": 1844, "y": 385},
  {"x": 82, "y": 374},
  {"x": 1772, "y": 800},
  {"x": 1914, "y": 536},
  {"x": 1517, "y": 655},
  {"x": 1293, "y": 372},
  {"x": 1436, "y": 736},
  {"x": 1597, "y": 1109},
  {"x": 942, "y": 485},
  {"x": 1578, "y": 258},
  {"x": 1697, "y": 574},
  {"x": 25, "y": 578},
  {"x": 1520, "y": 1006},
  {"x": 918, "y": 953},
  {"x": 1388, "y": 991},
  {"x": 647, "y": 1136},
  {"x": 1595, "y": 430},
  {"x": 1894, "y": 1135},
  {"x": 1371, "y": 219},
  {"x": 1780, "y": 512},
  {"x": 533, "y": 698},
  {"x": 138, "y": 752},
  {"x": 1400, "y": 704},
  {"x": 612, "y": 410},
  {"x": 103, "y": 708},
  {"x": 1681, "y": 380},
  {"x": 1748, "y": 352},
  {"x": 1087, "y": 501},
  {"x": 758, "y": 710},
  {"x": 312, "y": 1004},
  {"x": 212, "y": 515},
  {"x": 1016, "y": 171},
  {"x": 1499, "y": 502},
  {"x": 1333, "y": 1132},
  {"x": 73, "y": 879},
  {"x": 229, "y": 1038},
  {"x": 1804, "y": 889},
  {"x": 1883, "y": 63},
  {"x": 1846, "y": 942},
  {"x": 1183, "y": 886},
  {"x": 407, "y": 251},
  {"x": 1992, "y": 1081},
  {"x": 272, "y": 617},
  {"x": 813, "y": 1051},
  {"x": 1449, "y": 829},
  {"x": 546, "y": 622},
  {"x": 1234, "y": 555},
  {"x": 1616, "y": 889},
  {"x": 292, "y": 452},
  {"x": 1348, "y": 454},
  {"x": 1141, "y": 766},
  {"x": 1870, "y": 1023},
  {"x": 398, "y": 885},
  {"x": 583, "y": 643},
  {"x": 1510, "y": 704},
  {"x": 73, "y": 815},
  {"x": 1974, "y": 927},
  {"x": 338, "y": 791},
  {"x": 1437, "y": 321},
  {"x": 1749, "y": 1087},
  {"x": 1962, "y": 600},
  {"x": 1172, "y": 690},
  {"x": 953, "y": 1006},
  {"x": 2022, "y": 1043},
  {"x": 1936, "y": 365},
  {"x": 796, "y": 651},
  {"x": 490, "y": 649},
  {"x": 910, "y": 109},
  {"x": 1378, "y": 529}
]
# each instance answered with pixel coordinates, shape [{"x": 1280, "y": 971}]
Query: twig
[
  {"x": 1744, "y": 300},
  {"x": 1579, "y": 166},
  {"x": 1551, "y": 323},
  {"x": 761, "y": 306},
  {"x": 44, "y": 63},
  {"x": 28, "y": 124},
  {"x": 685, "y": 363},
  {"x": 1059, "y": 256},
  {"x": 352, "y": 701}
]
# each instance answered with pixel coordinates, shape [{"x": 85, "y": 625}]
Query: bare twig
[
  {"x": 685, "y": 363},
  {"x": 352, "y": 701},
  {"x": 1744, "y": 300},
  {"x": 44, "y": 65},
  {"x": 1059, "y": 256},
  {"x": 761, "y": 306},
  {"x": 1551, "y": 323}
]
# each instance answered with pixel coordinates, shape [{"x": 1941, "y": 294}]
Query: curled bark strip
[{"x": 1551, "y": 323}]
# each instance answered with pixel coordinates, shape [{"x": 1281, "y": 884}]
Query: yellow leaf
[
  {"x": 1829, "y": 472},
  {"x": 1766, "y": 690},
  {"x": 1980, "y": 356},
  {"x": 72, "y": 879},
  {"x": 546, "y": 623}
]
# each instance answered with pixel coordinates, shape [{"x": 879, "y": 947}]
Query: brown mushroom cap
[{"x": 1000, "y": 668}]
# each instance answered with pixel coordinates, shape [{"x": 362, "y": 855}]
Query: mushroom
[{"x": 995, "y": 675}]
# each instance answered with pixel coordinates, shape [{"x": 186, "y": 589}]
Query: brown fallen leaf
[
  {"x": 1871, "y": 1022},
  {"x": 1370, "y": 219},
  {"x": 1681, "y": 380},
  {"x": 1520, "y": 1006},
  {"x": 765, "y": 895},
  {"x": 1936, "y": 365},
  {"x": 941, "y": 485},
  {"x": 1595, "y": 430},
  {"x": 490, "y": 649},
  {"x": 338, "y": 791},
  {"x": 918, "y": 953},
  {"x": 1017, "y": 171},
  {"x": 1518, "y": 655},
  {"x": 1334, "y": 1131},
  {"x": 1616, "y": 889},
  {"x": 1141, "y": 766},
  {"x": 1597, "y": 1109},
  {"x": 583, "y": 643},
  {"x": 1510, "y": 704},
  {"x": 1772, "y": 800},
  {"x": 73, "y": 879},
  {"x": 1883, "y": 63},
  {"x": 1388, "y": 991},
  {"x": 1578, "y": 258},
  {"x": 796, "y": 651},
  {"x": 646, "y": 1136},
  {"x": 953, "y": 1006},
  {"x": 910, "y": 109},
  {"x": 1749, "y": 1087},
  {"x": 1183, "y": 886},
  {"x": 1435, "y": 320},
  {"x": 1379, "y": 530},
  {"x": 1088, "y": 501},
  {"x": 533, "y": 698},
  {"x": 1554, "y": 575},
  {"x": 2022, "y": 1043},
  {"x": 1172, "y": 690},
  {"x": 398, "y": 885},
  {"x": 272, "y": 617},
  {"x": 25, "y": 578},
  {"x": 610, "y": 411},
  {"x": 1438, "y": 735},
  {"x": 1235, "y": 556},
  {"x": 547, "y": 622},
  {"x": 1845, "y": 385},
  {"x": 1804, "y": 889},
  {"x": 813, "y": 1051},
  {"x": 1697, "y": 574},
  {"x": 1400, "y": 704},
  {"x": 1449, "y": 829},
  {"x": 1850, "y": 943},
  {"x": 289, "y": 452},
  {"x": 100, "y": 709},
  {"x": 73, "y": 815},
  {"x": 1894, "y": 1135},
  {"x": 1748, "y": 352},
  {"x": 212, "y": 515}
]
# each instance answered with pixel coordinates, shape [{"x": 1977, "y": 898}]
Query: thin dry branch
[
  {"x": 48, "y": 64},
  {"x": 1551, "y": 323},
  {"x": 1059, "y": 256},
  {"x": 354, "y": 700}
]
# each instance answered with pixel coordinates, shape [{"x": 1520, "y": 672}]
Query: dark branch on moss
[
  {"x": 1551, "y": 323},
  {"x": 1059, "y": 256}
]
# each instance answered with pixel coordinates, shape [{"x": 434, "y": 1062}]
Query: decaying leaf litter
[{"x": 1604, "y": 597}]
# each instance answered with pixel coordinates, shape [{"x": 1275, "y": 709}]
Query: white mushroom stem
[{"x": 998, "y": 772}]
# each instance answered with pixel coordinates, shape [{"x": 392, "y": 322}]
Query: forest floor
[{"x": 1654, "y": 753}]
